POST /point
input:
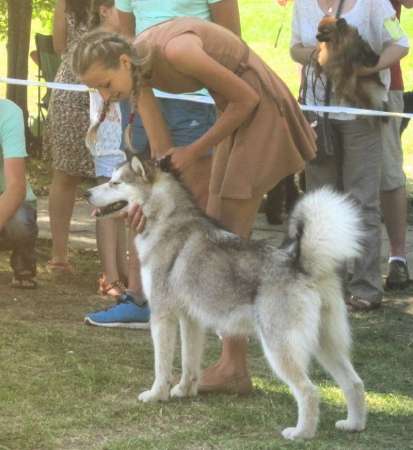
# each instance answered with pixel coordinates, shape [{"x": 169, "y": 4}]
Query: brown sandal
[
  {"x": 357, "y": 304},
  {"x": 114, "y": 289},
  {"x": 24, "y": 283}
]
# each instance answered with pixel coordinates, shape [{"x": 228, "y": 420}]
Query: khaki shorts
[{"x": 392, "y": 176}]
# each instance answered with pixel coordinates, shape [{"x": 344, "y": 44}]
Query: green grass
[{"x": 68, "y": 386}]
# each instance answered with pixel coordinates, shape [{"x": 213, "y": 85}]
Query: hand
[
  {"x": 181, "y": 158},
  {"x": 135, "y": 218},
  {"x": 364, "y": 71}
]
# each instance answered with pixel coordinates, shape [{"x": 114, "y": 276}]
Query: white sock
[{"x": 397, "y": 258}]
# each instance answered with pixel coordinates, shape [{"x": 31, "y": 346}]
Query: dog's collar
[{"x": 164, "y": 164}]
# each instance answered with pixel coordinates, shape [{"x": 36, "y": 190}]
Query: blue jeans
[
  {"x": 19, "y": 235},
  {"x": 186, "y": 120}
]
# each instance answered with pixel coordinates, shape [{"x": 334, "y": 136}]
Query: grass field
[{"x": 65, "y": 386}]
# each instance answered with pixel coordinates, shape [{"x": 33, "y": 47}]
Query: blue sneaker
[{"x": 125, "y": 314}]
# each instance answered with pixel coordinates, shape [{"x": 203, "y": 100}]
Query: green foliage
[{"x": 42, "y": 10}]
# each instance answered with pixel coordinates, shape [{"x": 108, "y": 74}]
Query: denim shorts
[
  {"x": 186, "y": 120},
  {"x": 106, "y": 164}
]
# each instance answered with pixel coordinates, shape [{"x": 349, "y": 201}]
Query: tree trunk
[{"x": 18, "y": 43}]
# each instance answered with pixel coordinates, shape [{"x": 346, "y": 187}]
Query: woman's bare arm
[
  {"x": 154, "y": 123},
  {"x": 302, "y": 54},
  {"x": 15, "y": 192},
  {"x": 59, "y": 27},
  {"x": 185, "y": 53},
  {"x": 226, "y": 14}
]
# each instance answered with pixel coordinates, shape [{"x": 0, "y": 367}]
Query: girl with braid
[
  {"x": 104, "y": 140},
  {"x": 259, "y": 138}
]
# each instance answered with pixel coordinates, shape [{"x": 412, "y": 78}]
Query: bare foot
[{"x": 225, "y": 378}]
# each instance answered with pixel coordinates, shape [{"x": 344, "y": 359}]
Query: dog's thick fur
[
  {"x": 342, "y": 53},
  {"x": 195, "y": 273}
]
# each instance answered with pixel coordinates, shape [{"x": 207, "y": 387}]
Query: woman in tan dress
[{"x": 260, "y": 137}]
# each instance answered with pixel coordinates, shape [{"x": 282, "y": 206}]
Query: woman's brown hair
[{"x": 105, "y": 48}]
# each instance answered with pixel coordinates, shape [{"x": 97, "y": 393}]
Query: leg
[
  {"x": 333, "y": 355},
  {"x": 231, "y": 372},
  {"x": 21, "y": 233},
  {"x": 110, "y": 245},
  {"x": 291, "y": 368},
  {"x": 275, "y": 202},
  {"x": 61, "y": 202},
  {"x": 362, "y": 151},
  {"x": 394, "y": 209},
  {"x": 134, "y": 274},
  {"x": 163, "y": 331},
  {"x": 393, "y": 196},
  {"x": 192, "y": 345},
  {"x": 107, "y": 244}
]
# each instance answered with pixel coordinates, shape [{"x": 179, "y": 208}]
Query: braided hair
[{"x": 106, "y": 48}]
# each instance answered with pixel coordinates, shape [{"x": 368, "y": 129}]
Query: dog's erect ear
[
  {"x": 137, "y": 166},
  {"x": 129, "y": 154},
  {"x": 341, "y": 24}
]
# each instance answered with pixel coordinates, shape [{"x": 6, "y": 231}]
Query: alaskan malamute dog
[{"x": 291, "y": 297}]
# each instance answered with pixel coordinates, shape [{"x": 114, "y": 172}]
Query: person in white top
[
  {"x": 105, "y": 149},
  {"x": 356, "y": 165}
]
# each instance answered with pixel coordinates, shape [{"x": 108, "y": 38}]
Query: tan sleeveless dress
[{"x": 275, "y": 139}]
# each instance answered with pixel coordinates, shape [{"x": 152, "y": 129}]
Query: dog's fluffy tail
[{"x": 326, "y": 228}]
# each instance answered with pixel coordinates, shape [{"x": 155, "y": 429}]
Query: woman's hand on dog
[
  {"x": 135, "y": 218},
  {"x": 181, "y": 158},
  {"x": 364, "y": 71}
]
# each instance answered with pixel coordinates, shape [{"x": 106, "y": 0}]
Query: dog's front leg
[
  {"x": 192, "y": 345},
  {"x": 163, "y": 330}
]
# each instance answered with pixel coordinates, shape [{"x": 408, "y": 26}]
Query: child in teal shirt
[{"x": 18, "y": 227}]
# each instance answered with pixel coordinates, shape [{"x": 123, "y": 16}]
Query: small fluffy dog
[
  {"x": 202, "y": 276},
  {"x": 342, "y": 53}
]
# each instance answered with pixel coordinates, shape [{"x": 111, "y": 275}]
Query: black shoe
[{"x": 398, "y": 276}]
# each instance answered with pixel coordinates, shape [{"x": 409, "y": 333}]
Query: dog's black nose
[{"x": 87, "y": 194}]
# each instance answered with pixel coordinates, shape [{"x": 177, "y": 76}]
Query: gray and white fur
[{"x": 196, "y": 273}]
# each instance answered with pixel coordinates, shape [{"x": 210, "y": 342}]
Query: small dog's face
[
  {"x": 130, "y": 183},
  {"x": 342, "y": 42},
  {"x": 330, "y": 28}
]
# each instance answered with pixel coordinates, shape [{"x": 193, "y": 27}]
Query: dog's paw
[
  {"x": 184, "y": 390},
  {"x": 154, "y": 395},
  {"x": 347, "y": 425},
  {"x": 295, "y": 433}
]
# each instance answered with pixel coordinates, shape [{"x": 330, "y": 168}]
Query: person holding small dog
[
  {"x": 18, "y": 227},
  {"x": 357, "y": 160}
]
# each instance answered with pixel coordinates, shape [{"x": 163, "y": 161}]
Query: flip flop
[{"x": 24, "y": 283}]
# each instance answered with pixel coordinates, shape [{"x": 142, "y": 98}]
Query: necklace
[{"x": 330, "y": 8}]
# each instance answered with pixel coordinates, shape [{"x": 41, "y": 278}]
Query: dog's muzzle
[{"x": 323, "y": 37}]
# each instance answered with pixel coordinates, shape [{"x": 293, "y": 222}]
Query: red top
[{"x": 395, "y": 70}]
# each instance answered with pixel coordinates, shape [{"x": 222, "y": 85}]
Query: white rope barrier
[{"x": 207, "y": 99}]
